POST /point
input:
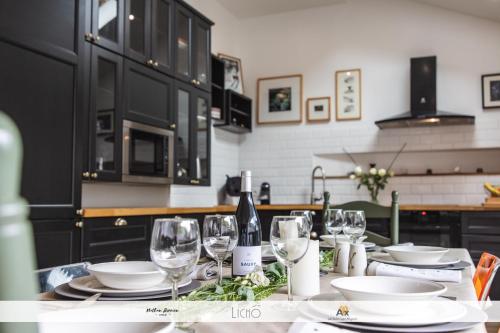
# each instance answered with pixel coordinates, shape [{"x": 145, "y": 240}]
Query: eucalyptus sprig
[
  {"x": 326, "y": 260},
  {"x": 255, "y": 286}
]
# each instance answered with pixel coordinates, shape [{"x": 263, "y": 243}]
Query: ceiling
[
  {"x": 253, "y": 8},
  {"x": 489, "y": 9}
]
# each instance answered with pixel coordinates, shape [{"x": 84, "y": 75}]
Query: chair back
[
  {"x": 485, "y": 272},
  {"x": 373, "y": 210}
]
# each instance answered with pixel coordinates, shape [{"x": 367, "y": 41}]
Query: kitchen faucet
[{"x": 315, "y": 199}]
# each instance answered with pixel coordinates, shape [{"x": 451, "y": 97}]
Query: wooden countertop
[{"x": 111, "y": 212}]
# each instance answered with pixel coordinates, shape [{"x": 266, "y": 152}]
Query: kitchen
[{"x": 113, "y": 87}]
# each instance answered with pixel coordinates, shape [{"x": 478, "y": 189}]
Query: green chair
[
  {"x": 373, "y": 211},
  {"x": 17, "y": 255}
]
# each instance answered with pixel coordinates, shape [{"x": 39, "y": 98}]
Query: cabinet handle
[
  {"x": 314, "y": 235},
  {"x": 120, "y": 258},
  {"x": 94, "y": 175},
  {"x": 79, "y": 212},
  {"x": 156, "y": 64},
  {"x": 120, "y": 222},
  {"x": 172, "y": 126},
  {"x": 79, "y": 224},
  {"x": 89, "y": 37},
  {"x": 150, "y": 62},
  {"x": 193, "y": 81},
  {"x": 194, "y": 181},
  {"x": 86, "y": 174},
  {"x": 97, "y": 38},
  {"x": 198, "y": 82}
]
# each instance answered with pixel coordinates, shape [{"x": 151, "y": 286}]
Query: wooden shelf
[{"x": 442, "y": 174}]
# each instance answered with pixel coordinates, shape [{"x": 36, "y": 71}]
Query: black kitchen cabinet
[
  {"x": 116, "y": 239},
  {"x": 148, "y": 96},
  {"x": 192, "y": 47},
  {"x": 38, "y": 92},
  {"x": 105, "y": 114},
  {"x": 192, "y": 140},
  {"x": 148, "y": 32},
  {"x": 57, "y": 242},
  {"x": 107, "y": 28}
]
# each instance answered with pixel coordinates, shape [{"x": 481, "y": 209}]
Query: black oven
[{"x": 147, "y": 154}]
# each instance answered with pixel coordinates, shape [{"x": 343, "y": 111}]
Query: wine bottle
[{"x": 247, "y": 254}]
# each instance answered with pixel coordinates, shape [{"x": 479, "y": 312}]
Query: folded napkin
[
  {"x": 438, "y": 275},
  {"x": 206, "y": 271}
]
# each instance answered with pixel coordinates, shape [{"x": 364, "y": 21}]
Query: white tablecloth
[{"x": 463, "y": 291}]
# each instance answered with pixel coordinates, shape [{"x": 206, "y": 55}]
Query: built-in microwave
[{"x": 148, "y": 154}]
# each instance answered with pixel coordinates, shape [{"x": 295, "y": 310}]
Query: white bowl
[
  {"x": 416, "y": 254},
  {"x": 368, "y": 291},
  {"x": 127, "y": 275}
]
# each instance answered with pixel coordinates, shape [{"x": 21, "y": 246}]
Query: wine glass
[
  {"x": 355, "y": 224},
  {"x": 220, "y": 236},
  {"x": 334, "y": 222},
  {"x": 308, "y": 214},
  {"x": 289, "y": 240},
  {"x": 175, "y": 248}
]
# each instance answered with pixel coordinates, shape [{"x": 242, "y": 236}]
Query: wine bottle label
[{"x": 245, "y": 258}]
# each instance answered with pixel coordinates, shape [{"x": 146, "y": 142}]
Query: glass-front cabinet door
[
  {"x": 107, "y": 24},
  {"x": 105, "y": 114},
  {"x": 192, "y": 163},
  {"x": 202, "y": 136},
  {"x": 137, "y": 29},
  {"x": 161, "y": 35},
  {"x": 183, "y": 28},
  {"x": 202, "y": 54},
  {"x": 182, "y": 170}
]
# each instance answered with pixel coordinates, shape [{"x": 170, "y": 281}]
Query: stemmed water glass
[
  {"x": 289, "y": 239},
  {"x": 355, "y": 224},
  {"x": 308, "y": 214},
  {"x": 334, "y": 222},
  {"x": 220, "y": 236},
  {"x": 175, "y": 248}
]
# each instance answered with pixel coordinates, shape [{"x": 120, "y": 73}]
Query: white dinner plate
[
  {"x": 473, "y": 317},
  {"x": 90, "y": 284},
  {"x": 368, "y": 245},
  {"x": 387, "y": 259},
  {"x": 434, "y": 312}
]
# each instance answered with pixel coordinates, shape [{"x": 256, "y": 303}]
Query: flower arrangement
[{"x": 374, "y": 180}]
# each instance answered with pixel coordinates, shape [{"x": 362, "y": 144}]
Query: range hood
[{"x": 423, "y": 110}]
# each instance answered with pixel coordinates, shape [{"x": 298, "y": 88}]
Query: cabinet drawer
[
  {"x": 486, "y": 223},
  {"x": 477, "y": 244},
  {"x": 111, "y": 236}
]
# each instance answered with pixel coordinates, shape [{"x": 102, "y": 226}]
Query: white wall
[{"x": 379, "y": 37}]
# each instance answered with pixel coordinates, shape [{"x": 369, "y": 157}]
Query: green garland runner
[{"x": 253, "y": 287}]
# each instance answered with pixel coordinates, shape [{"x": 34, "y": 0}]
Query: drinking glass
[
  {"x": 289, "y": 239},
  {"x": 175, "y": 248},
  {"x": 220, "y": 236},
  {"x": 334, "y": 222},
  {"x": 355, "y": 224},
  {"x": 308, "y": 214}
]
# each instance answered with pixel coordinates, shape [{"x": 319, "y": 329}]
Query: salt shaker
[
  {"x": 341, "y": 262},
  {"x": 357, "y": 260}
]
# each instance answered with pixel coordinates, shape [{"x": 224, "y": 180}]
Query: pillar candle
[{"x": 305, "y": 273}]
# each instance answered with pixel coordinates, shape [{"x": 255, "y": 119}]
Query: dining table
[{"x": 462, "y": 291}]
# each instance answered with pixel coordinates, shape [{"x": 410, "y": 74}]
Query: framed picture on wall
[
  {"x": 348, "y": 94},
  {"x": 491, "y": 91},
  {"x": 279, "y": 99},
  {"x": 318, "y": 109},
  {"x": 233, "y": 73}
]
